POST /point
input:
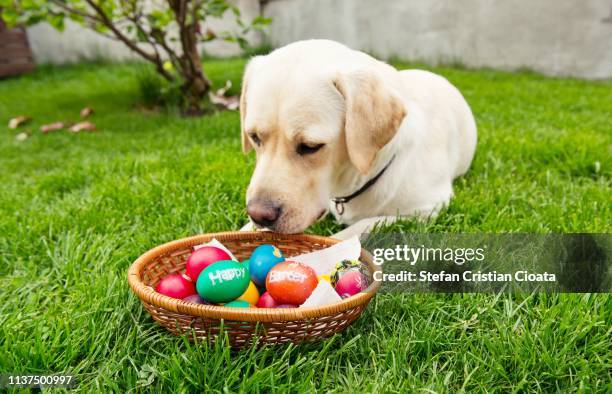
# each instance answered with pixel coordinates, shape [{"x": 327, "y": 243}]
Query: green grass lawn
[{"x": 76, "y": 210}]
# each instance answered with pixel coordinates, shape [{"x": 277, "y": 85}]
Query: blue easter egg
[{"x": 263, "y": 258}]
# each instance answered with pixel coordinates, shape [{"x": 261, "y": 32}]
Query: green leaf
[
  {"x": 141, "y": 35},
  {"x": 77, "y": 18},
  {"x": 100, "y": 28},
  {"x": 57, "y": 21},
  {"x": 9, "y": 17},
  {"x": 29, "y": 4},
  {"x": 235, "y": 11},
  {"x": 261, "y": 20},
  {"x": 244, "y": 44},
  {"x": 160, "y": 18},
  {"x": 216, "y": 8}
]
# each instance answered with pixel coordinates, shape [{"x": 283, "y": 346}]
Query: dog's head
[{"x": 309, "y": 122}]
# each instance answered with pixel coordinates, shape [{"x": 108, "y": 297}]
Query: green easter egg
[
  {"x": 238, "y": 304},
  {"x": 223, "y": 281}
]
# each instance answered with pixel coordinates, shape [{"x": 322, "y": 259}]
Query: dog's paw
[{"x": 347, "y": 233}]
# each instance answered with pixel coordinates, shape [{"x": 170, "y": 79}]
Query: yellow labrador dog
[{"x": 336, "y": 130}]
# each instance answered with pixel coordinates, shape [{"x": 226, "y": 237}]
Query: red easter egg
[
  {"x": 266, "y": 301},
  {"x": 291, "y": 282},
  {"x": 351, "y": 283},
  {"x": 202, "y": 258},
  {"x": 286, "y": 306},
  {"x": 176, "y": 286}
]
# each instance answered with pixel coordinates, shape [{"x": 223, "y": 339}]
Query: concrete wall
[
  {"x": 76, "y": 43},
  {"x": 556, "y": 37}
]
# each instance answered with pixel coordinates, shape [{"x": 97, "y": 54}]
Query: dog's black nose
[{"x": 264, "y": 212}]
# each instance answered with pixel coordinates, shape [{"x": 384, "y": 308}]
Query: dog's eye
[
  {"x": 307, "y": 149},
  {"x": 255, "y": 138}
]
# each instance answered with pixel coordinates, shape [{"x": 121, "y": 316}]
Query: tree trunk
[
  {"x": 196, "y": 85},
  {"x": 195, "y": 91}
]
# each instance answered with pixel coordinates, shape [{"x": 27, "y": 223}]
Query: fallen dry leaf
[
  {"x": 17, "y": 121},
  {"x": 52, "y": 127},
  {"x": 224, "y": 89},
  {"x": 229, "y": 102},
  {"x": 82, "y": 126},
  {"x": 22, "y": 136},
  {"x": 85, "y": 112},
  {"x": 219, "y": 97}
]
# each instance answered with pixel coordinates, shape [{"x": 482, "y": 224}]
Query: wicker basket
[{"x": 243, "y": 326}]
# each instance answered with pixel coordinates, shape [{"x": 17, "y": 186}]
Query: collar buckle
[{"x": 341, "y": 201}]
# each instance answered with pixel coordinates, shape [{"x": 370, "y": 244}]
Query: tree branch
[
  {"x": 74, "y": 11},
  {"x": 187, "y": 33},
  {"x": 135, "y": 19},
  {"x": 159, "y": 37},
  {"x": 93, "y": 19},
  {"x": 106, "y": 21}
]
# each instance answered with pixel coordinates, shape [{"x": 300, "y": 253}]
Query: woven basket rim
[{"x": 149, "y": 295}]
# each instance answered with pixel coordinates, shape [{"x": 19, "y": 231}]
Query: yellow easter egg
[
  {"x": 325, "y": 278},
  {"x": 251, "y": 294}
]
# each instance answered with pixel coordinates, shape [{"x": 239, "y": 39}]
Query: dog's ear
[
  {"x": 246, "y": 142},
  {"x": 373, "y": 114}
]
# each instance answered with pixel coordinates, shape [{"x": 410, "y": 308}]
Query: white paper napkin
[
  {"x": 324, "y": 260},
  {"x": 323, "y": 294}
]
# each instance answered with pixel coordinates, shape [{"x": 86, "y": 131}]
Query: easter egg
[
  {"x": 195, "y": 298},
  {"x": 238, "y": 304},
  {"x": 266, "y": 301},
  {"x": 223, "y": 281},
  {"x": 202, "y": 258},
  {"x": 351, "y": 283},
  {"x": 347, "y": 266},
  {"x": 263, "y": 258},
  {"x": 251, "y": 294},
  {"x": 175, "y": 286},
  {"x": 325, "y": 278},
  {"x": 286, "y": 306},
  {"x": 291, "y": 282}
]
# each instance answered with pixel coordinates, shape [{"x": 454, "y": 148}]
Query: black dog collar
[{"x": 340, "y": 201}]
